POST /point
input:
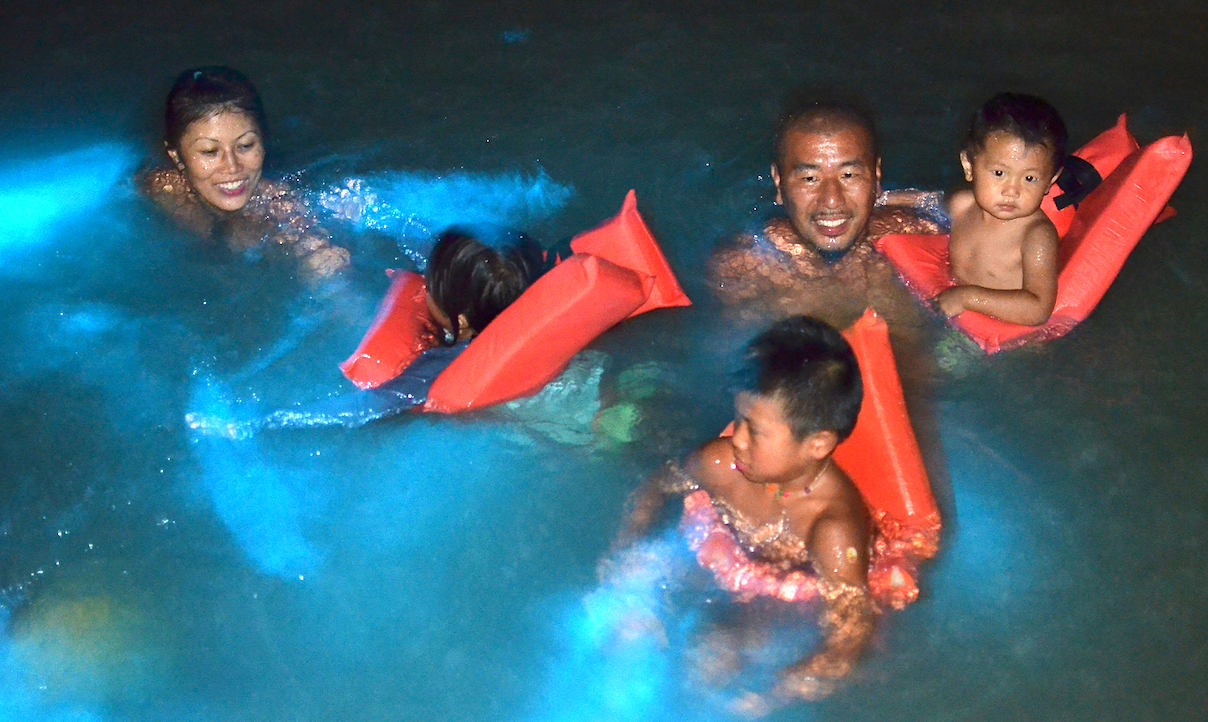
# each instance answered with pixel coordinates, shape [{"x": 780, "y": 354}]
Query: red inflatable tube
[
  {"x": 626, "y": 241},
  {"x": 528, "y": 345},
  {"x": 400, "y": 331},
  {"x": 617, "y": 272},
  {"x": 882, "y": 458},
  {"x": 882, "y": 455},
  {"x": 1103, "y": 231}
]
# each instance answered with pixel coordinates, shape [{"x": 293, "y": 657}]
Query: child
[
  {"x": 470, "y": 281},
  {"x": 472, "y": 276},
  {"x": 1003, "y": 249},
  {"x": 780, "y": 496}
]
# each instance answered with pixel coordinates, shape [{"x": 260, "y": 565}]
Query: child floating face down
[
  {"x": 783, "y": 499},
  {"x": 472, "y": 276},
  {"x": 1003, "y": 249}
]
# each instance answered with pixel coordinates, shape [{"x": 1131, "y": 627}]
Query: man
[{"x": 818, "y": 259}]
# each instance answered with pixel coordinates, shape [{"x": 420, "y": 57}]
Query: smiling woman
[{"x": 214, "y": 133}]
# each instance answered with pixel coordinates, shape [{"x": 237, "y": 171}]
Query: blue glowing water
[{"x": 446, "y": 568}]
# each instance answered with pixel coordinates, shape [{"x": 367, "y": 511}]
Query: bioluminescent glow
[
  {"x": 1001, "y": 529},
  {"x": 25, "y": 693},
  {"x": 260, "y": 502},
  {"x": 617, "y": 659},
  {"x": 412, "y": 206},
  {"x": 654, "y": 641},
  {"x": 38, "y": 195}
]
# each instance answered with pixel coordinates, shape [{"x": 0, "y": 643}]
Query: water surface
[{"x": 436, "y": 568}]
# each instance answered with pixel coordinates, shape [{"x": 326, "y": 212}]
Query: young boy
[
  {"x": 1003, "y": 249},
  {"x": 780, "y": 495}
]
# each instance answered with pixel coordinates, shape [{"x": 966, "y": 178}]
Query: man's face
[{"x": 827, "y": 179}]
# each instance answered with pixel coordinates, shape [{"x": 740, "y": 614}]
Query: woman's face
[{"x": 222, "y": 156}]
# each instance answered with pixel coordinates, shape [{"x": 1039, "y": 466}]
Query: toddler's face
[{"x": 1009, "y": 176}]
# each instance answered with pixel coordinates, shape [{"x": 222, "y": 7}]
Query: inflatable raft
[
  {"x": 882, "y": 457},
  {"x": 1096, "y": 236},
  {"x": 617, "y": 271}
]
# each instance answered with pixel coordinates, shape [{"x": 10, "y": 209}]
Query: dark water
[{"x": 437, "y": 568}]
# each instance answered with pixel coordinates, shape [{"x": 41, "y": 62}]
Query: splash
[
  {"x": 40, "y": 195},
  {"x": 618, "y": 660},
  {"x": 413, "y": 206}
]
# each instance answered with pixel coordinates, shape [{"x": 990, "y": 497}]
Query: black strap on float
[
  {"x": 558, "y": 252},
  {"x": 1078, "y": 178}
]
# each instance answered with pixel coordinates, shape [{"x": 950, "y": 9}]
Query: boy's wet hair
[
  {"x": 478, "y": 272},
  {"x": 1026, "y": 117},
  {"x": 829, "y": 114},
  {"x": 811, "y": 369},
  {"x": 202, "y": 92}
]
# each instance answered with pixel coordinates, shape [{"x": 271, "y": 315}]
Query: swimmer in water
[
  {"x": 1003, "y": 250},
  {"x": 214, "y": 135},
  {"x": 473, "y": 275},
  {"x": 818, "y": 258},
  {"x": 781, "y": 496}
]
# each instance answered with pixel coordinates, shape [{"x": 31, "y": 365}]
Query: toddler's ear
[{"x": 967, "y": 164}]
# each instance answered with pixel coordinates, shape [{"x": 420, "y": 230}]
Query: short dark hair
[
  {"x": 828, "y": 115},
  {"x": 201, "y": 92},
  {"x": 1026, "y": 117},
  {"x": 811, "y": 369},
  {"x": 478, "y": 272}
]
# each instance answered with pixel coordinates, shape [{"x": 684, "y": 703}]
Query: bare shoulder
[
  {"x": 713, "y": 464},
  {"x": 960, "y": 202},
  {"x": 840, "y": 533},
  {"x": 738, "y": 269},
  {"x": 1040, "y": 234},
  {"x": 163, "y": 185}
]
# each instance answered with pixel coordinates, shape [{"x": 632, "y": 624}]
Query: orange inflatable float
[
  {"x": 616, "y": 272},
  {"x": 882, "y": 457},
  {"x": 1096, "y": 238}
]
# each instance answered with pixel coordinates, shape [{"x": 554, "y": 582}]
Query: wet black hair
[
  {"x": 1026, "y": 117},
  {"x": 201, "y": 92},
  {"x": 823, "y": 114},
  {"x": 477, "y": 272},
  {"x": 811, "y": 369}
]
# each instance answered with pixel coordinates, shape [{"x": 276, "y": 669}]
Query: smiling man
[{"x": 818, "y": 258}]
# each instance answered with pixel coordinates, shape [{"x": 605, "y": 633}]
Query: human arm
[
  {"x": 1030, "y": 305},
  {"x": 646, "y": 502},
  {"x": 298, "y": 230},
  {"x": 909, "y": 211},
  {"x": 838, "y": 549}
]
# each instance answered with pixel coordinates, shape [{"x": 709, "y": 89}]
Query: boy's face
[
  {"x": 765, "y": 449},
  {"x": 1009, "y": 176}
]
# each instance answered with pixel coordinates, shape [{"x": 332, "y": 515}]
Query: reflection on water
[{"x": 445, "y": 568}]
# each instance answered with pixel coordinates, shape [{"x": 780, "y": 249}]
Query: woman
[{"x": 214, "y": 132}]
